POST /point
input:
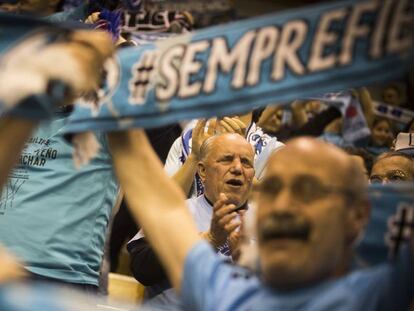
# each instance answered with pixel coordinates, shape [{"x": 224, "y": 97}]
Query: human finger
[
  {"x": 221, "y": 200},
  {"x": 227, "y": 218},
  {"x": 84, "y": 54},
  {"x": 226, "y": 127},
  {"x": 234, "y": 236},
  {"x": 241, "y": 213},
  {"x": 240, "y": 123},
  {"x": 235, "y": 126},
  {"x": 92, "y": 18},
  {"x": 212, "y": 126},
  {"x": 232, "y": 226},
  {"x": 199, "y": 128},
  {"x": 224, "y": 210}
]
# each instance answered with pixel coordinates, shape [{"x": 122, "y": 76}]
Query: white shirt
[{"x": 202, "y": 213}]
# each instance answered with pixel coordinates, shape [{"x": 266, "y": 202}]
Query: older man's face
[
  {"x": 302, "y": 217},
  {"x": 228, "y": 169},
  {"x": 392, "y": 169}
]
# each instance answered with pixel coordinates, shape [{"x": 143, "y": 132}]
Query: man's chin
[
  {"x": 283, "y": 254},
  {"x": 284, "y": 281},
  {"x": 234, "y": 199},
  {"x": 284, "y": 273}
]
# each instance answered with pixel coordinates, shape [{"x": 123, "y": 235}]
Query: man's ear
[
  {"x": 201, "y": 170},
  {"x": 357, "y": 219}
]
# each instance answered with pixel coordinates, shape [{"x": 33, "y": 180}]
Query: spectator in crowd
[
  {"x": 312, "y": 206},
  {"x": 226, "y": 167},
  {"x": 184, "y": 154},
  {"x": 48, "y": 219},
  {"x": 307, "y": 118},
  {"x": 392, "y": 166},
  {"x": 382, "y": 133},
  {"x": 382, "y": 136},
  {"x": 392, "y": 95}
]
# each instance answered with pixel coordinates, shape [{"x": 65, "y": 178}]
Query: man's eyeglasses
[{"x": 305, "y": 188}]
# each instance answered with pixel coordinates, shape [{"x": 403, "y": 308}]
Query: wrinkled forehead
[
  {"x": 385, "y": 165},
  {"x": 231, "y": 144},
  {"x": 288, "y": 163}
]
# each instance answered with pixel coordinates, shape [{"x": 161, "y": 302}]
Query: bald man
[
  {"x": 226, "y": 169},
  {"x": 312, "y": 206}
]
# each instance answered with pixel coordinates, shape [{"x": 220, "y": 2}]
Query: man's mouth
[
  {"x": 234, "y": 182},
  {"x": 284, "y": 228}
]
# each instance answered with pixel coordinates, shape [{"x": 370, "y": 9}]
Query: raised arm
[
  {"x": 155, "y": 200},
  {"x": 367, "y": 105},
  {"x": 184, "y": 177},
  {"x": 14, "y": 133},
  {"x": 299, "y": 115},
  {"x": 24, "y": 76},
  {"x": 10, "y": 269}
]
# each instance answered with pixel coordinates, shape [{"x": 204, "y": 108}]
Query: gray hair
[{"x": 207, "y": 145}]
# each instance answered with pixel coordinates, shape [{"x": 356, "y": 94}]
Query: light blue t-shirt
[
  {"x": 53, "y": 217},
  {"x": 210, "y": 284}
]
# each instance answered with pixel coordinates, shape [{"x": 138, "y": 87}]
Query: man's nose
[
  {"x": 385, "y": 181},
  {"x": 236, "y": 166},
  {"x": 285, "y": 200}
]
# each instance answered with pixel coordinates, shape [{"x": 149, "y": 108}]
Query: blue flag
[
  {"x": 239, "y": 66},
  {"x": 391, "y": 222}
]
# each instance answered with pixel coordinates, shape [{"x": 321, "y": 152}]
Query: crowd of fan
[{"x": 252, "y": 216}]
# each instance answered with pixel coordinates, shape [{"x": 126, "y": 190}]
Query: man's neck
[{"x": 346, "y": 264}]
